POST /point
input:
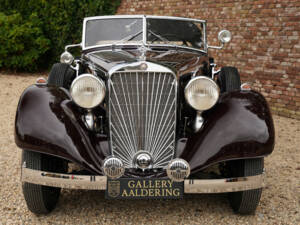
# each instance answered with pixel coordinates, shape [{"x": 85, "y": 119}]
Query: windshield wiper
[
  {"x": 157, "y": 35},
  {"x": 129, "y": 37}
]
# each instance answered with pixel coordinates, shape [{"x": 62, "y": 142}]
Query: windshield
[
  {"x": 113, "y": 31},
  {"x": 174, "y": 32},
  {"x": 159, "y": 31}
]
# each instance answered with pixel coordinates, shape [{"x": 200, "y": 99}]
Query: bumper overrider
[{"x": 171, "y": 187}]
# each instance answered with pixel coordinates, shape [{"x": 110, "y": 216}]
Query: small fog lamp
[{"x": 178, "y": 170}]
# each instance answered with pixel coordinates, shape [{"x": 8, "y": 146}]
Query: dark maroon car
[{"x": 143, "y": 113}]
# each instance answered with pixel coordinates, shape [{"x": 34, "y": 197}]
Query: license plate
[{"x": 144, "y": 188}]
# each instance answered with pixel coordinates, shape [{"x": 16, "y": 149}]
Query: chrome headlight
[
  {"x": 201, "y": 93},
  {"x": 87, "y": 91}
]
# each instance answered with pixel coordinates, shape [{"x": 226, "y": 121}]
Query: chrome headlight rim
[
  {"x": 198, "y": 78},
  {"x": 81, "y": 76}
]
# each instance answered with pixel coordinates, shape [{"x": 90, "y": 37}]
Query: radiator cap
[{"x": 143, "y": 160}]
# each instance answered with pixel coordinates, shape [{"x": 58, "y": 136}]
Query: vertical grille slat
[{"x": 143, "y": 115}]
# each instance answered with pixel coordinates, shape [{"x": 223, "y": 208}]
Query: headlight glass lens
[
  {"x": 201, "y": 93},
  {"x": 87, "y": 91}
]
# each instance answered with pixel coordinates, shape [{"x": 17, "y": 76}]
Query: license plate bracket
[{"x": 143, "y": 188}]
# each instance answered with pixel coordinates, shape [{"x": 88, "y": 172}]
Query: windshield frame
[{"x": 144, "y": 30}]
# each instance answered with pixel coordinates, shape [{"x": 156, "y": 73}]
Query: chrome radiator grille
[{"x": 143, "y": 115}]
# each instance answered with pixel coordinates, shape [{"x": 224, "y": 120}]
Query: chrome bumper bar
[{"x": 99, "y": 182}]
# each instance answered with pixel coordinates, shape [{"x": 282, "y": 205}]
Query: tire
[
  {"x": 41, "y": 199},
  {"x": 61, "y": 75},
  {"x": 229, "y": 79},
  {"x": 245, "y": 202}
]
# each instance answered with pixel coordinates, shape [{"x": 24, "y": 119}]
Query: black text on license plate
[{"x": 147, "y": 188}]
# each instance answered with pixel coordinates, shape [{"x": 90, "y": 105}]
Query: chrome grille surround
[{"x": 142, "y": 115}]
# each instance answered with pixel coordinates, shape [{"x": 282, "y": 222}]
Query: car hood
[{"x": 179, "y": 61}]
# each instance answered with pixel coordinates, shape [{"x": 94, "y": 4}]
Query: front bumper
[{"x": 99, "y": 182}]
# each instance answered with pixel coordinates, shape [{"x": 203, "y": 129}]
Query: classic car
[{"x": 143, "y": 112}]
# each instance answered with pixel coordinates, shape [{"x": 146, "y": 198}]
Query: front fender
[
  {"x": 239, "y": 126},
  {"x": 48, "y": 121}
]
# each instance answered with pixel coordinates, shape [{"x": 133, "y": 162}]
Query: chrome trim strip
[
  {"x": 115, "y": 45},
  {"x": 205, "y": 38},
  {"x": 177, "y": 47},
  {"x": 151, "y": 67},
  {"x": 83, "y": 33},
  {"x": 146, "y": 45},
  {"x": 113, "y": 16},
  {"x": 176, "y": 18},
  {"x": 144, "y": 31},
  {"x": 224, "y": 185},
  {"x": 216, "y": 47},
  {"x": 73, "y": 46},
  {"x": 99, "y": 182},
  {"x": 63, "y": 180}
]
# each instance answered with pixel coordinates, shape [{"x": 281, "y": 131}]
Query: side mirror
[
  {"x": 224, "y": 36},
  {"x": 67, "y": 57}
]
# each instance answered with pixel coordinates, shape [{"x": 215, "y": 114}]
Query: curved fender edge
[
  {"x": 239, "y": 126},
  {"x": 47, "y": 121}
]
